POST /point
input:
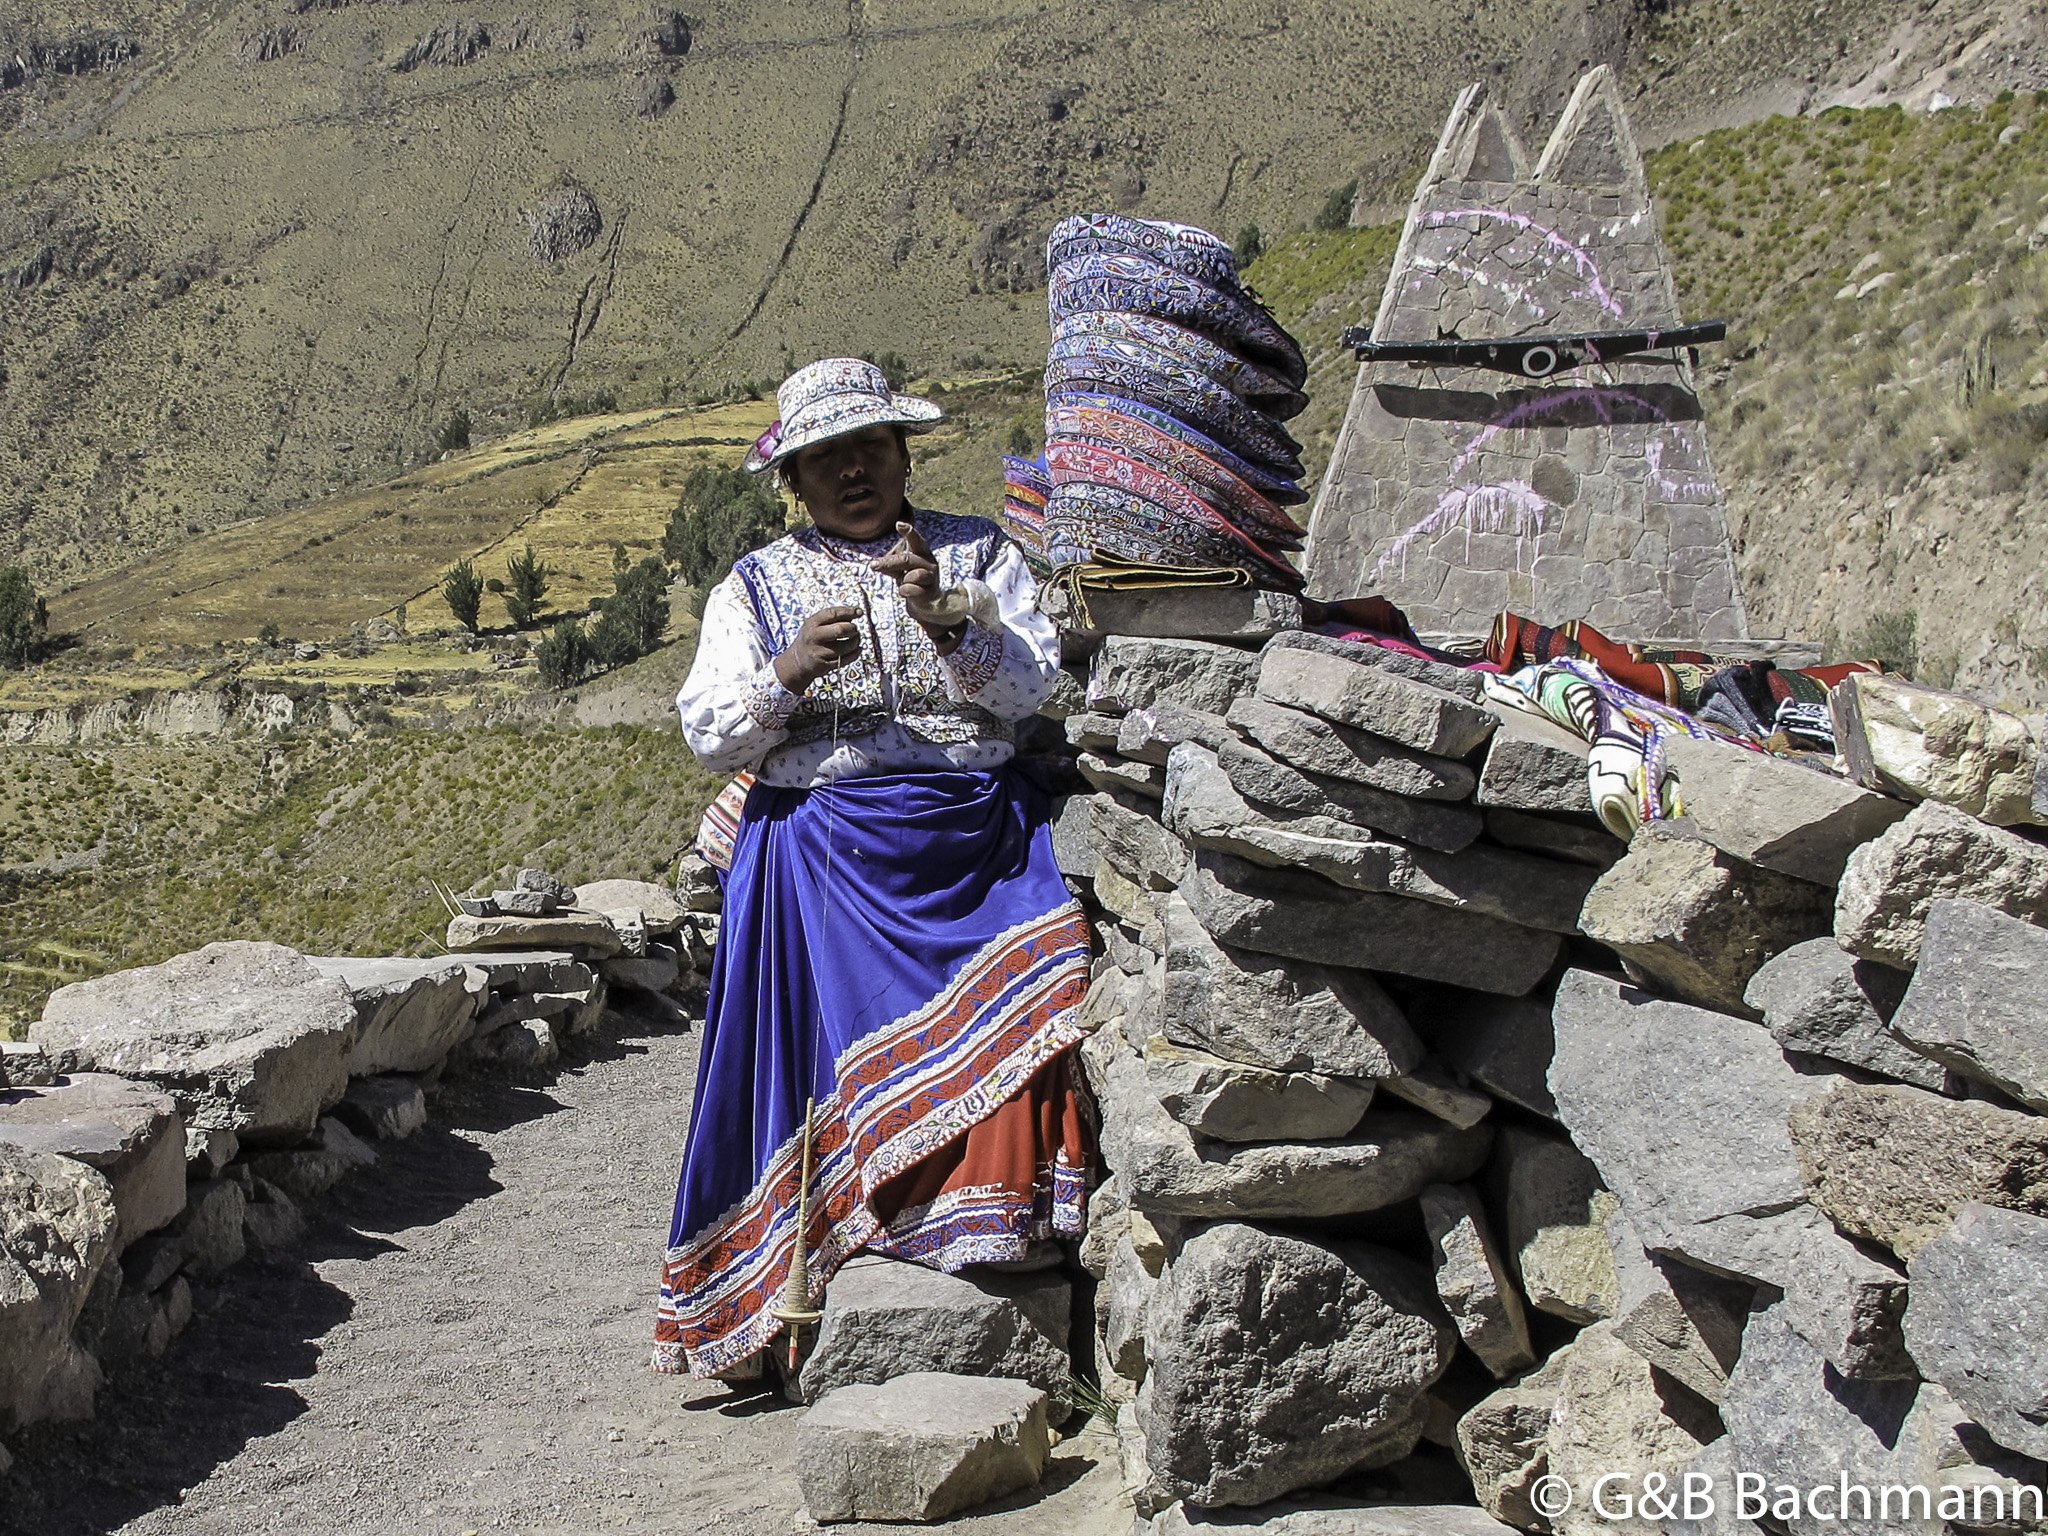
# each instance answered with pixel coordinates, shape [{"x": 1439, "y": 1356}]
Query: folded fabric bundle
[
  {"x": 1207, "y": 476},
  {"x": 1141, "y": 285},
  {"x": 1684, "y": 679},
  {"x": 1166, "y": 386}
]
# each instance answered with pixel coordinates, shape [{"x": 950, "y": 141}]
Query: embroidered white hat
[{"x": 831, "y": 398}]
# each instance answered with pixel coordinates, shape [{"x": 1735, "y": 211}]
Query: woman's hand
[
  {"x": 828, "y": 640},
  {"x": 942, "y": 615}
]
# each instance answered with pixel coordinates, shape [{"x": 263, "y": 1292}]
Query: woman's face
[{"x": 852, "y": 485}]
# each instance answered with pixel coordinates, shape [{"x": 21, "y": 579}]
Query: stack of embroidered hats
[{"x": 1165, "y": 392}]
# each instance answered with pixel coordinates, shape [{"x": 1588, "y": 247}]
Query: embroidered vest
[{"x": 794, "y": 577}]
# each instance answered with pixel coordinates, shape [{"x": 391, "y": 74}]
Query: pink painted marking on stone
[{"x": 1581, "y": 259}]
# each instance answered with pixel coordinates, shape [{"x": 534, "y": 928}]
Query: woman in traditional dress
[{"x": 897, "y": 944}]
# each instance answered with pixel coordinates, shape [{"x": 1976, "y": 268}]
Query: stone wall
[
  {"x": 1454, "y": 1145},
  {"x": 163, "y": 1123},
  {"x": 1460, "y": 492}
]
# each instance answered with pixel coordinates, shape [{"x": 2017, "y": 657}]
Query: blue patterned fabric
[
  {"x": 1141, "y": 285},
  {"x": 1147, "y": 339},
  {"x": 1180, "y": 392},
  {"x": 1185, "y": 249},
  {"x": 902, "y": 949}
]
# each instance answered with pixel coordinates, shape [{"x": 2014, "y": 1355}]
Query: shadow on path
[{"x": 164, "y": 1425}]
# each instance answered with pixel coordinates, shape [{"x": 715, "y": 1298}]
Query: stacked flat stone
[
  {"x": 161, "y": 1124},
  {"x": 1453, "y": 1144}
]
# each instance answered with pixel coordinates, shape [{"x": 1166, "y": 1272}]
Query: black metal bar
[{"x": 1530, "y": 357}]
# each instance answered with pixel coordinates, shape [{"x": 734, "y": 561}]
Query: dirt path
[{"x": 460, "y": 1346}]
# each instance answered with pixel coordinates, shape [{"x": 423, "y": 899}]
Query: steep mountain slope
[{"x": 258, "y": 251}]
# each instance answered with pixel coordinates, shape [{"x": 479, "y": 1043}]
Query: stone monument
[{"x": 1459, "y": 491}]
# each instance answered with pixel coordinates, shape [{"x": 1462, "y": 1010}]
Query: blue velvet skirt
[{"x": 902, "y": 950}]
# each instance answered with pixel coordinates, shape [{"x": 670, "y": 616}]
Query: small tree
[
  {"x": 723, "y": 513},
  {"x": 463, "y": 590},
  {"x": 1021, "y": 442},
  {"x": 1251, "y": 245},
  {"x": 24, "y": 619},
  {"x": 563, "y": 658},
  {"x": 526, "y": 585},
  {"x": 454, "y": 433},
  {"x": 269, "y": 634}
]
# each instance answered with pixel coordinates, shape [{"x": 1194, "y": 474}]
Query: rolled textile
[
  {"x": 1279, "y": 489},
  {"x": 1203, "y": 474},
  {"x": 1182, "y": 247},
  {"x": 1181, "y": 392},
  {"x": 1265, "y": 390},
  {"x": 1143, "y": 285}
]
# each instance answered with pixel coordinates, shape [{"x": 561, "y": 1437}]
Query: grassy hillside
[
  {"x": 1880, "y": 414},
  {"x": 331, "y": 846}
]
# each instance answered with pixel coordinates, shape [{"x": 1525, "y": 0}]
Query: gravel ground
[{"x": 460, "y": 1346}]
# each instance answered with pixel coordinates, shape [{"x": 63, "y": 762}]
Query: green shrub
[
  {"x": 564, "y": 656},
  {"x": 1336, "y": 210},
  {"x": 454, "y": 433},
  {"x": 1251, "y": 245},
  {"x": 24, "y": 619},
  {"x": 635, "y": 614}
]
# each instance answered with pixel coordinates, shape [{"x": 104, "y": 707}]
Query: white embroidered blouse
[{"x": 916, "y": 711}]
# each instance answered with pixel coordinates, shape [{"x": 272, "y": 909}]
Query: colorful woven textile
[
  {"x": 1142, "y": 285},
  {"x": 721, "y": 823},
  {"x": 1145, "y": 337},
  {"x": 901, "y": 949},
  {"x": 1202, "y": 474},
  {"x": 1027, "y": 485},
  {"x": 1180, "y": 392},
  {"x": 1078, "y": 460},
  {"x": 1679, "y": 678},
  {"x": 1087, "y": 520},
  {"x": 1185, "y": 249},
  {"x": 1627, "y": 776},
  {"x": 1281, "y": 490}
]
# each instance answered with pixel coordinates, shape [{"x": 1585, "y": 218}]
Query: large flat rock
[
  {"x": 1775, "y": 812},
  {"x": 887, "y": 1317},
  {"x": 1277, "y": 1362},
  {"x": 1390, "y": 1156},
  {"x": 1534, "y": 765},
  {"x": 588, "y": 933},
  {"x": 1304, "y": 917},
  {"x": 1819, "y": 1000},
  {"x": 1978, "y": 1315},
  {"x": 58, "y": 1226},
  {"x": 1896, "y": 1165},
  {"x": 129, "y": 1131},
  {"x": 1977, "y": 1003},
  {"x": 1685, "y": 1322},
  {"x": 1375, "y": 699},
  {"x": 1891, "y": 882},
  {"x": 1712, "y": 1177},
  {"x": 1697, "y": 922},
  {"x": 1229, "y": 1101},
  {"x": 409, "y": 1013},
  {"x": 1217, "y": 613},
  {"x": 1130, "y": 672},
  {"x": 1320, "y": 746},
  {"x": 1265, "y": 779},
  {"x": 922, "y": 1446},
  {"x": 1287, "y": 1016},
  {"x": 1462, "y": 682},
  {"x": 246, "y": 1037},
  {"x": 1929, "y": 744}
]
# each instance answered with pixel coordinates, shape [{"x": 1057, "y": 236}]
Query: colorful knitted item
[
  {"x": 1086, "y": 519},
  {"x": 1185, "y": 249},
  {"x": 1143, "y": 337},
  {"x": 1141, "y": 285},
  {"x": 1278, "y": 489},
  {"x": 1026, "y": 487}
]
